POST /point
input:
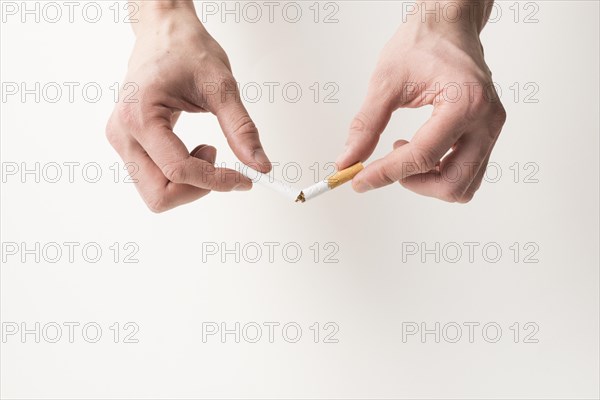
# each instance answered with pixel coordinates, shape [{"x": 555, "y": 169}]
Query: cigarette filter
[
  {"x": 337, "y": 179},
  {"x": 292, "y": 193}
]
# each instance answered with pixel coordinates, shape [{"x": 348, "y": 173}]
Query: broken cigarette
[
  {"x": 270, "y": 182},
  {"x": 337, "y": 179},
  {"x": 292, "y": 193}
]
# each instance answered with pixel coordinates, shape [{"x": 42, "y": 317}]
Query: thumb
[
  {"x": 429, "y": 145},
  {"x": 242, "y": 134},
  {"x": 365, "y": 129}
]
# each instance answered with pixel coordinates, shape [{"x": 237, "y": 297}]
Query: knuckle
[
  {"x": 211, "y": 180},
  {"x": 486, "y": 102},
  {"x": 480, "y": 101},
  {"x": 124, "y": 119},
  {"x": 224, "y": 89},
  {"x": 244, "y": 126},
  {"x": 128, "y": 114},
  {"x": 423, "y": 159},
  {"x": 227, "y": 81},
  {"x": 451, "y": 194},
  {"x": 112, "y": 134},
  {"x": 361, "y": 123},
  {"x": 383, "y": 80},
  {"x": 467, "y": 197},
  {"x": 475, "y": 107},
  {"x": 175, "y": 172},
  {"x": 158, "y": 205},
  {"x": 228, "y": 84},
  {"x": 498, "y": 118},
  {"x": 386, "y": 174},
  {"x": 471, "y": 191}
]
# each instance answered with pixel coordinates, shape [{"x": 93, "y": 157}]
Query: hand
[
  {"x": 177, "y": 67},
  {"x": 430, "y": 63}
]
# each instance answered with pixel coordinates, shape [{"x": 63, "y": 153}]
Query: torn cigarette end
[
  {"x": 308, "y": 193},
  {"x": 334, "y": 181},
  {"x": 345, "y": 175},
  {"x": 300, "y": 198}
]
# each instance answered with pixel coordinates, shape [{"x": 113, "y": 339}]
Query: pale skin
[
  {"x": 424, "y": 57},
  {"x": 179, "y": 67}
]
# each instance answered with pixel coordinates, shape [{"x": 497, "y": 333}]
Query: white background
[{"x": 374, "y": 290}]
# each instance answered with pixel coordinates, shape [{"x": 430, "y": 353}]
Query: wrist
[
  {"x": 447, "y": 15},
  {"x": 157, "y": 13},
  {"x": 158, "y": 6}
]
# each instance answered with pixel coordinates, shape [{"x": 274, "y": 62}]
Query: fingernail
[
  {"x": 197, "y": 150},
  {"x": 260, "y": 157},
  {"x": 339, "y": 160},
  {"x": 360, "y": 186},
  {"x": 243, "y": 186}
]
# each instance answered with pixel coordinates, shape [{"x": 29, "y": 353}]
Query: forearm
[
  {"x": 152, "y": 13},
  {"x": 470, "y": 15}
]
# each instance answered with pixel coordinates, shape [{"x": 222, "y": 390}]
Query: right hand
[{"x": 448, "y": 155}]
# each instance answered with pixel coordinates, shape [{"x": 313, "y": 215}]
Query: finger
[
  {"x": 457, "y": 171},
  {"x": 402, "y": 142},
  {"x": 239, "y": 129},
  {"x": 430, "y": 144},
  {"x": 476, "y": 184},
  {"x": 496, "y": 128},
  {"x": 365, "y": 129},
  {"x": 175, "y": 117},
  {"x": 157, "y": 192},
  {"x": 399, "y": 143},
  {"x": 205, "y": 152},
  {"x": 176, "y": 194},
  {"x": 177, "y": 165}
]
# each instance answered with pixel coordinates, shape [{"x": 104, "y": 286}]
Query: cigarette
[
  {"x": 300, "y": 196},
  {"x": 337, "y": 179},
  {"x": 281, "y": 187}
]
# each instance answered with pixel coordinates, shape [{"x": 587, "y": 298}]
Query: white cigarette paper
[
  {"x": 270, "y": 182},
  {"x": 310, "y": 192},
  {"x": 337, "y": 179}
]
